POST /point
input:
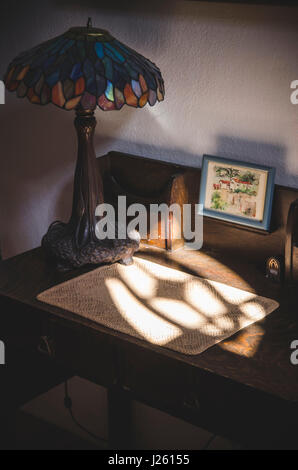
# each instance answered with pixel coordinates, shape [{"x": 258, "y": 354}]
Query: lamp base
[{"x": 60, "y": 245}]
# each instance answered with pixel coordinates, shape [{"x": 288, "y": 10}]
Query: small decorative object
[
  {"x": 275, "y": 268},
  {"x": 237, "y": 192},
  {"x": 83, "y": 68}
]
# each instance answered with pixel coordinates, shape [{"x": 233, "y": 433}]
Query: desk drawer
[
  {"x": 84, "y": 354},
  {"x": 20, "y": 325},
  {"x": 157, "y": 379},
  {"x": 217, "y": 404}
]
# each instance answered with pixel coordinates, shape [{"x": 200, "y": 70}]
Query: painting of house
[
  {"x": 224, "y": 184},
  {"x": 235, "y": 190},
  {"x": 237, "y": 183}
]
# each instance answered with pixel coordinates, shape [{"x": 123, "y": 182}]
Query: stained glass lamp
[{"x": 79, "y": 70}]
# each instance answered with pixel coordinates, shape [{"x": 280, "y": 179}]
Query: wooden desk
[{"x": 244, "y": 388}]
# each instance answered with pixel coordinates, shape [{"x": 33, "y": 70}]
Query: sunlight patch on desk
[
  {"x": 246, "y": 343},
  {"x": 142, "y": 283},
  {"x": 179, "y": 312},
  {"x": 253, "y": 310},
  {"x": 161, "y": 305},
  {"x": 152, "y": 327},
  {"x": 231, "y": 296},
  {"x": 200, "y": 294},
  {"x": 159, "y": 272}
]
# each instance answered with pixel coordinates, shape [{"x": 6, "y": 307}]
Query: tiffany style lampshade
[{"x": 83, "y": 68}]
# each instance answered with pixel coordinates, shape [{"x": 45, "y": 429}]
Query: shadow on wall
[
  {"x": 36, "y": 142},
  {"x": 37, "y": 178},
  {"x": 116, "y": 6},
  {"x": 259, "y": 11},
  {"x": 143, "y": 150},
  {"x": 261, "y": 153},
  {"x": 135, "y": 27},
  {"x": 38, "y": 154},
  {"x": 226, "y": 146}
]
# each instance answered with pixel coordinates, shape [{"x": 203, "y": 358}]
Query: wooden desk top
[{"x": 258, "y": 356}]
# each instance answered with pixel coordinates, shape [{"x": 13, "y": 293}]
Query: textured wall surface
[{"x": 227, "y": 69}]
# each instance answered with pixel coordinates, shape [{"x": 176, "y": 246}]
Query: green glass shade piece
[{"x": 85, "y": 67}]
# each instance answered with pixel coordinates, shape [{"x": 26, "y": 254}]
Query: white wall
[{"x": 227, "y": 70}]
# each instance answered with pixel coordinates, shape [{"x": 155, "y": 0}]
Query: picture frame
[{"x": 237, "y": 192}]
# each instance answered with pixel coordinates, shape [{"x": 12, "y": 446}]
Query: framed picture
[{"x": 237, "y": 192}]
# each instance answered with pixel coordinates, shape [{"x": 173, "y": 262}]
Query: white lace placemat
[{"x": 161, "y": 305}]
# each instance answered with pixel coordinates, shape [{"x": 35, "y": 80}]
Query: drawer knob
[
  {"x": 46, "y": 346},
  {"x": 191, "y": 401}
]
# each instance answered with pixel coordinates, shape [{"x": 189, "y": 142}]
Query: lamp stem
[
  {"x": 75, "y": 244},
  {"x": 88, "y": 186}
]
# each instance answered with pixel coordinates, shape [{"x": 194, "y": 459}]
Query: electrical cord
[
  {"x": 210, "y": 440},
  {"x": 68, "y": 406}
]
